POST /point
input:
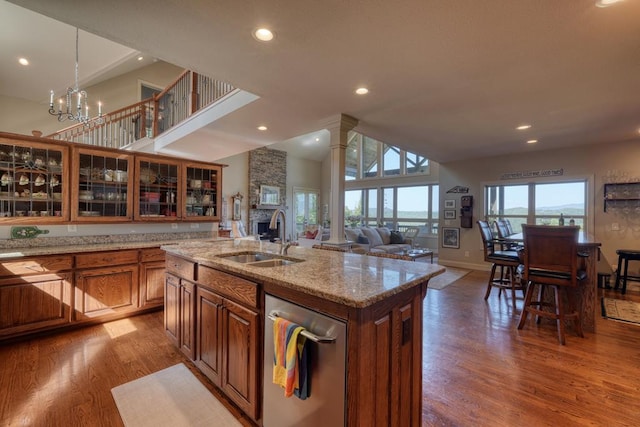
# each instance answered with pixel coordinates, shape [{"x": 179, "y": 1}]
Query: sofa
[{"x": 377, "y": 239}]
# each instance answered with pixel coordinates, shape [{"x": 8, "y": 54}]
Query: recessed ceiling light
[
  {"x": 263, "y": 34},
  {"x": 23, "y": 61},
  {"x": 362, "y": 91},
  {"x": 140, "y": 58},
  {"x": 317, "y": 139},
  {"x": 262, "y": 127},
  {"x": 523, "y": 127},
  {"x": 606, "y": 3},
  {"x": 532, "y": 141}
]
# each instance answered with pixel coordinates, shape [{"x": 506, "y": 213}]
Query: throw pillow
[
  {"x": 352, "y": 234},
  {"x": 396, "y": 238},
  {"x": 373, "y": 236},
  {"x": 385, "y": 235},
  {"x": 362, "y": 240}
]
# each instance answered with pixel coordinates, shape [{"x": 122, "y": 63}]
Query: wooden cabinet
[
  {"x": 152, "y": 276},
  {"x": 227, "y": 325},
  {"x": 55, "y": 291},
  {"x": 34, "y": 183},
  {"x": 179, "y": 313},
  {"x": 157, "y": 190},
  {"x": 106, "y": 291},
  {"x": 37, "y": 174},
  {"x": 227, "y": 347},
  {"x": 100, "y": 179},
  {"x": 34, "y": 303},
  {"x": 240, "y": 356},
  {"x": 202, "y": 192}
]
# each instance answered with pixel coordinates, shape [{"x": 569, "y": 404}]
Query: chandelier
[{"x": 66, "y": 108}]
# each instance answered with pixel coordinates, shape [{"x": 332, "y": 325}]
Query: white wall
[
  {"x": 21, "y": 116},
  {"x": 595, "y": 161}
]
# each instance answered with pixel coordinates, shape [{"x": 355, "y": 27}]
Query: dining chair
[
  {"x": 502, "y": 226},
  {"x": 551, "y": 259},
  {"x": 507, "y": 260}
]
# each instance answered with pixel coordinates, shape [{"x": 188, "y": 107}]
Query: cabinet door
[
  {"x": 152, "y": 284},
  {"x": 187, "y": 317},
  {"x": 209, "y": 334},
  {"x": 102, "y": 188},
  {"x": 240, "y": 356},
  {"x": 202, "y": 194},
  {"x": 157, "y": 189},
  {"x": 104, "y": 291},
  {"x": 33, "y": 182},
  {"x": 172, "y": 308},
  {"x": 34, "y": 302}
]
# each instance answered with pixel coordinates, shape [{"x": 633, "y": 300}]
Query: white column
[{"x": 338, "y": 129}]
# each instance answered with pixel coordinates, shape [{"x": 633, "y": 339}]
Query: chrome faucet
[{"x": 273, "y": 225}]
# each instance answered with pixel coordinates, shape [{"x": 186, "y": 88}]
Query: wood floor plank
[{"x": 478, "y": 369}]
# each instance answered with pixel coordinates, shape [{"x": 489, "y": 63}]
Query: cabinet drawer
[
  {"x": 104, "y": 259},
  {"x": 228, "y": 285},
  {"x": 151, "y": 254},
  {"x": 25, "y": 266},
  {"x": 181, "y": 267}
]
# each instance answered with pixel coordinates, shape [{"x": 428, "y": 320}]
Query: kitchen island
[{"x": 215, "y": 313}]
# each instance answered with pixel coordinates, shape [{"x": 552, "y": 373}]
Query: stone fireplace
[{"x": 266, "y": 167}]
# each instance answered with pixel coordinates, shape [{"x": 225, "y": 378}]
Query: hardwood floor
[{"x": 479, "y": 370}]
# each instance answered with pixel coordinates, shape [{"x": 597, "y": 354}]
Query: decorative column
[{"x": 338, "y": 128}]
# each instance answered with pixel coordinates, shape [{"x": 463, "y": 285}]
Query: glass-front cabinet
[
  {"x": 157, "y": 192},
  {"x": 33, "y": 182},
  {"x": 202, "y": 198},
  {"x": 101, "y": 185}
]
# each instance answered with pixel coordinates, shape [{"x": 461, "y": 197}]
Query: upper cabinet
[
  {"x": 33, "y": 181},
  {"x": 202, "y": 183},
  {"x": 47, "y": 181},
  {"x": 158, "y": 189},
  {"x": 101, "y": 185}
]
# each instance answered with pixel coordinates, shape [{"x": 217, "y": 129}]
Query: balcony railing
[{"x": 188, "y": 94}]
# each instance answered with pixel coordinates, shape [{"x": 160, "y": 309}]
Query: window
[
  {"x": 538, "y": 203},
  {"x": 305, "y": 207},
  {"x": 368, "y": 158},
  {"x": 391, "y": 160},
  {"x": 399, "y": 207}
]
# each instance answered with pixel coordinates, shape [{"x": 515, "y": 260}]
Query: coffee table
[{"x": 419, "y": 253}]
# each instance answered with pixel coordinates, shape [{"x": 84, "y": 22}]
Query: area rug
[
  {"x": 618, "y": 309},
  {"x": 170, "y": 397},
  {"x": 443, "y": 280}
]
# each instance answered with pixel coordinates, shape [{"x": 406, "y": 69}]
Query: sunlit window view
[
  {"x": 398, "y": 207},
  {"x": 540, "y": 203}
]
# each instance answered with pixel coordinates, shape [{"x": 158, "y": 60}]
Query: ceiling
[{"x": 448, "y": 79}]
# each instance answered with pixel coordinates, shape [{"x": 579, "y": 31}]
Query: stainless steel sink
[
  {"x": 260, "y": 259},
  {"x": 274, "y": 262}
]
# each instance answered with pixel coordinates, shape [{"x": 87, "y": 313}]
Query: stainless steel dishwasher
[{"x": 326, "y": 338}]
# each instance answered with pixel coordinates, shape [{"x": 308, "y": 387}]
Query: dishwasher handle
[{"x": 309, "y": 335}]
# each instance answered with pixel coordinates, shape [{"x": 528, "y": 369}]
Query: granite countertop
[
  {"x": 56, "y": 246},
  {"x": 346, "y": 278}
]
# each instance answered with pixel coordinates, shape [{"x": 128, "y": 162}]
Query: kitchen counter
[
  {"x": 56, "y": 246},
  {"x": 345, "y": 278}
]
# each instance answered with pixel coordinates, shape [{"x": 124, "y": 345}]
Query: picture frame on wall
[
  {"x": 450, "y": 214},
  {"x": 450, "y": 204},
  {"x": 451, "y": 237},
  {"x": 269, "y": 195}
]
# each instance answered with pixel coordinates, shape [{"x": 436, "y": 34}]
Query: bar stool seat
[{"x": 626, "y": 255}]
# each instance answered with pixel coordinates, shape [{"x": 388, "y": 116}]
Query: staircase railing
[{"x": 188, "y": 94}]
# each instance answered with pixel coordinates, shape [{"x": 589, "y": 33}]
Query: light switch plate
[{"x": 72, "y": 228}]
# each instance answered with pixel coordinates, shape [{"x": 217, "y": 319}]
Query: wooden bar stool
[
  {"x": 551, "y": 260},
  {"x": 625, "y": 255},
  {"x": 507, "y": 260}
]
